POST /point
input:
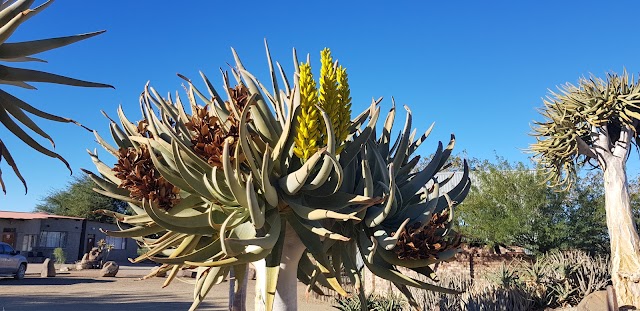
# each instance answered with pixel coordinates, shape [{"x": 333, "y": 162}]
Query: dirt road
[{"x": 85, "y": 291}]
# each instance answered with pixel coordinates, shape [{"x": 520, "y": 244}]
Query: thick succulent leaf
[
  {"x": 192, "y": 177},
  {"x": 414, "y": 145},
  {"x": 136, "y": 231},
  {"x": 8, "y": 98},
  {"x": 6, "y": 120},
  {"x": 21, "y": 117},
  {"x": 352, "y": 148},
  {"x": 329, "y": 160},
  {"x": 272, "y": 262},
  {"x": 389, "y": 242},
  {"x": 302, "y": 210},
  {"x": 20, "y": 74},
  {"x": 188, "y": 225},
  {"x": 314, "y": 247},
  {"x": 265, "y": 123},
  {"x": 421, "y": 178},
  {"x": 205, "y": 281},
  {"x": 386, "y": 270},
  {"x": 457, "y": 193},
  {"x": 266, "y": 241},
  {"x": 377, "y": 214},
  {"x": 293, "y": 182},
  {"x": 6, "y": 155},
  {"x": 401, "y": 152},
  {"x": 21, "y": 49},
  {"x": 385, "y": 137},
  {"x": 10, "y": 26},
  {"x": 305, "y": 270},
  {"x": 106, "y": 185},
  {"x": 230, "y": 173}
]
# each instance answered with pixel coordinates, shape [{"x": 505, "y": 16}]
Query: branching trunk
[
  {"x": 625, "y": 243},
  {"x": 287, "y": 287}
]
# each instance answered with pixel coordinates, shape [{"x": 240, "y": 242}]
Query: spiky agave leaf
[{"x": 12, "y": 109}]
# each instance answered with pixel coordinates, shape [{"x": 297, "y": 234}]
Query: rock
[
  {"x": 252, "y": 272},
  {"x": 64, "y": 269},
  {"x": 48, "y": 269},
  {"x": 110, "y": 269},
  {"x": 87, "y": 264},
  {"x": 596, "y": 301},
  {"x": 160, "y": 274},
  {"x": 187, "y": 273}
]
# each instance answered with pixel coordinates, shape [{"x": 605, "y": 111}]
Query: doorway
[
  {"x": 9, "y": 236},
  {"x": 91, "y": 242}
]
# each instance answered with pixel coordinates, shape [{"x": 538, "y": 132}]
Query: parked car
[{"x": 11, "y": 262}]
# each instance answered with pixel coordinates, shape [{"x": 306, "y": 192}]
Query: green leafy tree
[
  {"x": 510, "y": 205},
  {"x": 79, "y": 200},
  {"x": 586, "y": 215}
]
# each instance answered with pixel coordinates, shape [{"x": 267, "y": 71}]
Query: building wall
[
  {"x": 73, "y": 230},
  {"x": 119, "y": 255},
  {"x": 23, "y": 227}
]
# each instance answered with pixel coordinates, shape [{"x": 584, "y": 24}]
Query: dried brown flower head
[
  {"x": 143, "y": 129},
  {"x": 426, "y": 241},
  {"x": 209, "y": 134},
  {"x": 139, "y": 176}
]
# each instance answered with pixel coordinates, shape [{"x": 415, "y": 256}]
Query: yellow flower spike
[
  {"x": 344, "y": 108},
  {"x": 307, "y": 132},
  {"x": 329, "y": 91}
]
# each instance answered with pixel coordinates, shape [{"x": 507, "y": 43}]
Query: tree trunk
[
  {"x": 287, "y": 287},
  {"x": 625, "y": 243},
  {"x": 237, "y": 301}
]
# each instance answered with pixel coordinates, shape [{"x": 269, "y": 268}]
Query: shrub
[
  {"x": 374, "y": 303},
  {"x": 59, "y": 255}
]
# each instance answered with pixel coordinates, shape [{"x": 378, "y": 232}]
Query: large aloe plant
[
  {"x": 12, "y": 15},
  {"x": 224, "y": 183}
]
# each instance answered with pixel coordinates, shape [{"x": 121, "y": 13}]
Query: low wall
[{"x": 472, "y": 263}]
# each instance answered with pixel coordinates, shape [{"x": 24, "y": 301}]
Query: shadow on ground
[
  {"x": 49, "y": 281},
  {"x": 106, "y": 302}
]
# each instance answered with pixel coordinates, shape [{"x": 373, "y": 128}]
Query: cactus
[
  {"x": 12, "y": 109},
  {"x": 227, "y": 183}
]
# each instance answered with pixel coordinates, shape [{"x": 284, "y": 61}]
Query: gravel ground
[{"x": 85, "y": 291}]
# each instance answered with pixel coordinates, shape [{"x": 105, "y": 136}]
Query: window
[
  {"x": 53, "y": 239},
  {"x": 28, "y": 242},
  {"x": 118, "y": 243}
]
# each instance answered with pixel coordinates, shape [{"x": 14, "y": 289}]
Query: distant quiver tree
[{"x": 595, "y": 123}]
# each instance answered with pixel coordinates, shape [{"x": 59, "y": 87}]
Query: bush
[
  {"x": 59, "y": 255},
  {"x": 557, "y": 279},
  {"x": 374, "y": 303}
]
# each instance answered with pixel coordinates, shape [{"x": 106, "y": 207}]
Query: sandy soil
[{"x": 84, "y": 290}]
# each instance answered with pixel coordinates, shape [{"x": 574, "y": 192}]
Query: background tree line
[
  {"x": 79, "y": 200},
  {"x": 511, "y": 205}
]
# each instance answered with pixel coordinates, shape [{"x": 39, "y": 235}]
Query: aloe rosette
[
  {"x": 13, "y": 111},
  {"x": 227, "y": 183},
  {"x": 412, "y": 229}
]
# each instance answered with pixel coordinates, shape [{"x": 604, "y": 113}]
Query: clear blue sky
[{"x": 476, "y": 68}]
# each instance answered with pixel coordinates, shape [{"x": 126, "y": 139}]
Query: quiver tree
[
  {"x": 595, "y": 123},
  {"x": 286, "y": 180}
]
